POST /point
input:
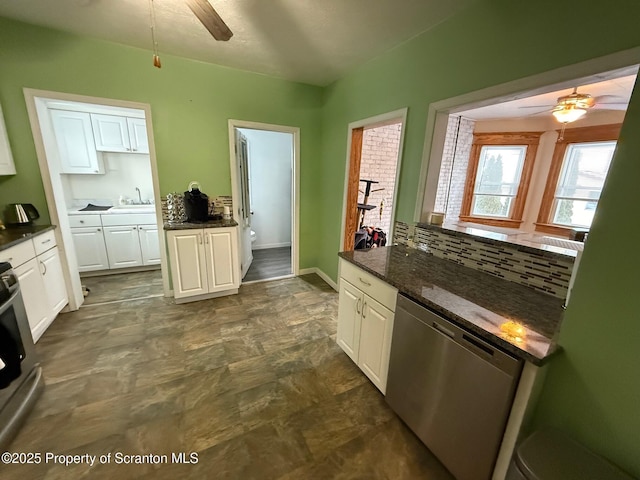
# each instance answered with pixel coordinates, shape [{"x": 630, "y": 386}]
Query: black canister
[{"x": 196, "y": 204}]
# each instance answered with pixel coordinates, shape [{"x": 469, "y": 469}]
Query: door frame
[
  {"x": 295, "y": 187},
  {"x": 384, "y": 118},
  {"x": 36, "y": 106},
  {"x": 590, "y": 71}
]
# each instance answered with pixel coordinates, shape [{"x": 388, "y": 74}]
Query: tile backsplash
[{"x": 541, "y": 272}]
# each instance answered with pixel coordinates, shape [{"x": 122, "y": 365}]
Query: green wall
[
  {"x": 190, "y": 103},
  {"x": 593, "y": 389}
]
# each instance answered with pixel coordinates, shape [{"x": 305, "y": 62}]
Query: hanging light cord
[{"x": 152, "y": 20}]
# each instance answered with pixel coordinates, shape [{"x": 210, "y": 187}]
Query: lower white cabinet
[
  {"x": 365, "y": 325},
  {"x": 204, "y": 262},
  {"x": 91, "y": 250},
  {"x": 104, "y": 242},
  {"x": 41, "y": 283}
]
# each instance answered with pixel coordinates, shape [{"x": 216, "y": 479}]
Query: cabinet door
[
  {"x": 222, "y": 259},
  {"x": 138, "y": 135},
  {"x": 188, "y": 265},
  {"x": 123, "y": 246},
  {"x": 32, "y": 287},
  {"x": 375, "y": 341},
  {"x": 350, "y": 303},
  {"x": 149, "y": 244},
  {"x": 76, "y": 147},
  {"x": 7, "y": 166},
  {"x": 54, "y": 286},
  {"x": 111, "y": 133},
  {"x": 90, "y": 248}
]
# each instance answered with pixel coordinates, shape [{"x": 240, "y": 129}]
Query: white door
[
  {"x": 375, "y": 341},
  {"x": 111, "y": 133},
  {"x": 90, "y": 248},
  {"x": 32, "y": 287},
  {"x": 188, "y": 263},
  {"x": 74, "y": 137},
  {"x": 138, "y": 135},
  {"x": 244, "y": 209},
  {"x": 349, "y": 318},
  {"x": 53, "y": 277},
  {"x": 123, "y": 246},
  {"x": 222, "y": 268},
  {"x": 149, "y": 244}
]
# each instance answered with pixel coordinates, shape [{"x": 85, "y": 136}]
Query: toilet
[
  {"x": 253, "y": 237},
  {"x": 551, "y": 455}
]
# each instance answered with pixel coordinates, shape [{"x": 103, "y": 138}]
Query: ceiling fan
[
  {"x": 207, "y": 16},
  {"x": 574, "y": 106},
  {"x": 210, "y": 19}
]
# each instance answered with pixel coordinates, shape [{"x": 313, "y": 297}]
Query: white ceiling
[
  {"x": 619, "y": 89},
  {"x": 311, "y": 41}
]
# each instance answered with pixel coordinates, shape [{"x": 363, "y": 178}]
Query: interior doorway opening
[
  {"x": 373, "y": 167},
  {"x": 265, "y": 182}
]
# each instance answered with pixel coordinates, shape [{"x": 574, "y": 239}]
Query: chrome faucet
[{"x": 139, "y": 195}]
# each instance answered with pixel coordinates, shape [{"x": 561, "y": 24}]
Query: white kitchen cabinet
[
  {"x": 365, "y": 321},
  {"x": 76, "y": 147},
  {"x": 204, "y": 262},
  {"x": 37, "y": 264},
  {"x": 90, "y": 248},
  {"x": 138, "y": 139},
  {"x": 149, "y": 244},
  {"x": 114, "y": 133},
  {"x": 7, "y": 167},
  {"x": 123, "y": 246}
]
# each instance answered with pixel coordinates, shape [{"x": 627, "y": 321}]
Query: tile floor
[
  {"x": 269, "y": 263},
  {"x": 122, "y": 286},
  {"x": 254, "y": 383}
]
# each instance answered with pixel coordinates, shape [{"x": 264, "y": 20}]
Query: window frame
[
  {"x": 529, "y": 139},
  {"x": 598, "y": 133}
]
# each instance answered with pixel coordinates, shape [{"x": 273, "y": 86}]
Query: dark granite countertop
[
  {"x": 521, "y": 242},
  {"x": 15, "y": 235},
  {"x": 208, "y": 224},
  {"x": 471, "y": 299}
]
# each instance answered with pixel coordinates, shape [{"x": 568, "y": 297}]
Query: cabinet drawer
[
  {"x": 18, "y": 254},
  {"x": 367, "y": 283},
  {"x": 123, "y": 219},
  {"x": 44, "y": 242},
  {"x": 84, "y": 221}
]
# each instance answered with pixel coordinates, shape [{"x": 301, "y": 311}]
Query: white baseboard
[
  {"x": 321, "y": 274},
  {"x": 270, "y": 245}
]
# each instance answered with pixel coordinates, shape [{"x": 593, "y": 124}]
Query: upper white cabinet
[
  {"x": 76, "y": 147},
  {"x": 120, "y": 134},
  {"x": 365, "y": 321},
  {"x": 204, "y": 262},
  {"x": 7, "y": 166}
]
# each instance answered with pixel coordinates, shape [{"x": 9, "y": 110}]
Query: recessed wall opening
[{"x": 513, "y": 167}]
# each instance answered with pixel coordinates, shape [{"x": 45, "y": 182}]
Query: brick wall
[
  {"x": 452, "y": 184},
  {"x": 379, "y": 161}
]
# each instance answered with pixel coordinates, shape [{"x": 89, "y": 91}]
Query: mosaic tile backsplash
[{"x": 544, "y": 274}]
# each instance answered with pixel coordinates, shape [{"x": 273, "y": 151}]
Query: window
[
  {"x": 498, "y": 176},
  {"x": 579, "y": 167}
]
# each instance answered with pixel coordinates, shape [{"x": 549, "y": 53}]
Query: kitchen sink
[{"x": 134, "y": 208}]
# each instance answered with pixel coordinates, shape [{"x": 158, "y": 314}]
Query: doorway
[
  {"x": 373, "y": 166},
  {"x": 98, "y": 167},
  {"x": 264, "y": 165}
]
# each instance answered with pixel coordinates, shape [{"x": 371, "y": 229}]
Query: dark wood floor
[
  {"x": 269, "y": 263},
  {"x": 123, "y": 286},
  {"x": 253, "y": 383}
]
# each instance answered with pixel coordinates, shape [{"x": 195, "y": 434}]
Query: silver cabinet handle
[
  {"x": 206, "y": 239},
  {"x": 364, "y": 281},
  {"x": 99, "y": 229},
  {"x": 45, "y": 268},
  {"x": 81, "y": 221},
  {"x": 46, "y": 241},
  {"x": 200, "y": 238},
  {"x": 358, "y": 311},
  {"x": 364, "y": 305}
]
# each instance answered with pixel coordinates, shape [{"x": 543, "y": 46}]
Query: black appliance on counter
[
  {"x": 20, "y": 214},
  {"x": 196, "y": 204},
  {"x": 21, "y": 380}
]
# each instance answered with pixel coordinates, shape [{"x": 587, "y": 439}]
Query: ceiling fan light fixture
[{"x": 568, "y": 113}]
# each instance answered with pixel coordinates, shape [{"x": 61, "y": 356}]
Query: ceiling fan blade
[
  {"x": 537, "y": 106},
  {"x": 210, "y": 19},
  {"x": 606, "y": 98}
]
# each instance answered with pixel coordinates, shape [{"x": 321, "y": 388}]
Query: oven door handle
[{"x": 9, "y": 303}]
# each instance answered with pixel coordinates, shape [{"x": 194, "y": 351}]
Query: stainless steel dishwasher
[{"x": 451, "y": 388}]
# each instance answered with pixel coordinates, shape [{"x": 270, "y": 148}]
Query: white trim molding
[{"x": 321, "y": 274}]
